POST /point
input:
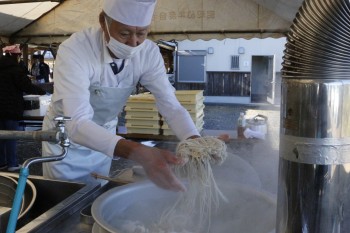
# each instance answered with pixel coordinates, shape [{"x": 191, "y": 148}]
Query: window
[{"x": 235, "y": 62}]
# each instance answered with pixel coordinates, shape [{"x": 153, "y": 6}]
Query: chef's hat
[
  {"x": 130, "y": 12},
  {"x": 12, "y": 49}
]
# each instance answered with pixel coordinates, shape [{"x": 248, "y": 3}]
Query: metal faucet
[{"x": 57, "y": 135}]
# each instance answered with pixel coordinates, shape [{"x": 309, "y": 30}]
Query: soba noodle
[{"x": 193, "y": 208}]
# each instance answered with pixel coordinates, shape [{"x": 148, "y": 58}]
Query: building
[{"x": 231, "y": 70}]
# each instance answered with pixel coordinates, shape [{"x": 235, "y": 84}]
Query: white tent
[{"x": 51, "y": 22}]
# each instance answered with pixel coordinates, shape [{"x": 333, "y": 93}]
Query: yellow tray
[
  {"x": 194, "y": 115},
  {"x": 189, "y": 96},
  {"x": 143, "y": 98},
  {"x": 143, "y": 124},
  {"x": 169, "y": 132},
  {"x": 141, "y": 107},
  {"x": 142, "y": 115},
  {"x": 143, "y": 131},
  {"x": 198, "y": 122},
  {"x": 193, "y": 107},
  {"x": 198, "y": 114}
]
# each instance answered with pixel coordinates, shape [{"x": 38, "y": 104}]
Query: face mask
[{"x": 121, "y": 50}]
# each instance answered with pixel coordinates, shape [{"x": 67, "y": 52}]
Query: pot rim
[
  {"x": 32, "y": 187},
  {"x": 100, "y": 202}
]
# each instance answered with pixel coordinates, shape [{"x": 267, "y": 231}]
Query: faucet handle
[
  {"x": 63, "y": 137},
  {"x": 62, "y": 119}
]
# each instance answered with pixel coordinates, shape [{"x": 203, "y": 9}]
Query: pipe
[
  {"x": 25, "y": 1},
  {"x": 23, "y": 175},
  {"x": 11, "y": 226},
  {"x": 257, "y": 31},
  {"x": 49, "y": 135},
  {"x": 314, "y": 165}
]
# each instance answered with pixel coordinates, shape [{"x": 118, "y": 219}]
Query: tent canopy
[{"x": 50, "y": 22}]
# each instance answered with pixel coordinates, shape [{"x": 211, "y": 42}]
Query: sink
[
  {"x": 55, "y": 201},
  {"x": 58, "y": 203}
]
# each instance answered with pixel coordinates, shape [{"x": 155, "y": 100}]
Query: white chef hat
[{"x": 130, "y": 12}]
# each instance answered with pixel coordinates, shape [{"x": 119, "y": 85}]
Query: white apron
[{"x": 80, "y": 161}]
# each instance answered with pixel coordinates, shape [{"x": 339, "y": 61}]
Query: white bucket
[{"x": 258, "y": 124}]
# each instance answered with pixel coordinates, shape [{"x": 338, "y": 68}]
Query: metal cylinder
[
  {"x": 314, "y": 168},
  {"x": 314, "y": 179}
]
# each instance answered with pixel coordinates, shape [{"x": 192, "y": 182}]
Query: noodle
[{"x": 193, "y": 207}]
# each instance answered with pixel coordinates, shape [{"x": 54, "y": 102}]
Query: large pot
[{"x": 248, "y": 210}]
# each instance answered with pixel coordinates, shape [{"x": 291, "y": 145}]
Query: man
[
  {"x": 40, "y": 69},
  {"x": 95, "y": 72},
  {"x": 14, "y": 82},
  {"x": 44, "y": 69},
  {"x": 35, "y": 70}
]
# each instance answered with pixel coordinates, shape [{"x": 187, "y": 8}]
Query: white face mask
[{"x": 121, "y": 50}]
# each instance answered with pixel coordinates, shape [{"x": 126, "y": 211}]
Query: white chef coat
[{"x": 83, "y": 61}]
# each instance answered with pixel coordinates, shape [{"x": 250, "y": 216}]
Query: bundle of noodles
[{"x": 193, "y": 208}]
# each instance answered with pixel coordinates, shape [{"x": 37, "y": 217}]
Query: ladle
[{"x": 112, "y": 179}]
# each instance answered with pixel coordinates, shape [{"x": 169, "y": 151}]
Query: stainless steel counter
[
  {"x": 73, "y": 225},
  {"x": 67, "y": 221},
  {"x": 78, "y": 223}
]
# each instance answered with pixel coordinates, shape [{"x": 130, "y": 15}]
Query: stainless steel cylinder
[{"x": 314, "y": 169}]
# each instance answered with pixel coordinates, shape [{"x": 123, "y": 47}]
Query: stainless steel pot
[
  {"x": 143, "y": 202},
  {"x": 7, "y": 190},
  {"x": 8, "y": 185}
]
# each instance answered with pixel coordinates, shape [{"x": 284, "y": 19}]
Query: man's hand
[{"x": 156, "y": 162}]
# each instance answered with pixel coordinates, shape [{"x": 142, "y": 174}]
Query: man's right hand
[{"x": 156, "y": 162}]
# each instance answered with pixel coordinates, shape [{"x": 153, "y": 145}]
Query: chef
[{"x": 95, "y": 72}]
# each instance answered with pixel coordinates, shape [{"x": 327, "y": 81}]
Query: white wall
[{"x": 224, "y": 49}]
